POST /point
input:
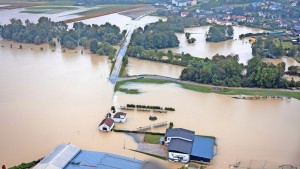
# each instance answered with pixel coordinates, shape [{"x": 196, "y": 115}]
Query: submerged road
[{"x": 122, "y": 51}]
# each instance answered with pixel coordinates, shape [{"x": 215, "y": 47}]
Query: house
[
  {"x": 184, "y": 146},
  {"x": 106, "y": 125},
  {"x": 119, "y": 117},
  {"x": 69, "y": 156},
  {"x": 250, "y": 19},
  {"x": 283, "y": 24},
  {"x": 239, "y": 18},
  {"x": 192, "y": 2},
  {"x": 180, "y": 3},
  {"x": 296, "y": 30},
  {"x": 294, "y": 4},
  {"x": 179, "y": 150},
  {"x": 184, "y": 14}
]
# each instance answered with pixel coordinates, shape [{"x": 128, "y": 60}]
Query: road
[{"x": 121, "y": 53}]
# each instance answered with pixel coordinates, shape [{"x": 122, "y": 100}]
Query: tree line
[
  {"x": 36, "y": 33},
  {"x": 155, "y": 55},
  {"x": 227, "y": 71}
]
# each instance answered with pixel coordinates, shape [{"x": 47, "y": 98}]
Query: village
[{"x": 268, "y": 15}]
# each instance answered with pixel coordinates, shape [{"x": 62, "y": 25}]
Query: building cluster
[
  {"x": 108, "y": 123},
  {"x": 184, "y": 146},
  {"x": 260, "y": 14}
]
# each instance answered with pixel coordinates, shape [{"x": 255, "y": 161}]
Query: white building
[
  {"x": 106, "y": 125},
  {"x": 119, "y": 117}
]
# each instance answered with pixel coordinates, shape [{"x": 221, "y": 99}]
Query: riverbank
[{"x": 204, "y": 88}]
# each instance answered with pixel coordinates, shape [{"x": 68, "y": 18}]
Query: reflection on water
[
  {"x": 245, "y": 130},
  {"x": 203, "y": 49}
]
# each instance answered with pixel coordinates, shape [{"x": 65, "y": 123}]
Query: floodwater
[
  {"x": 287, "y": 60},
  {"x": 53, "y": 97},
  {"x": 139, "y": 67},
  {"x": 203, "y": 49},
  {"x": 245, "y": 130}
]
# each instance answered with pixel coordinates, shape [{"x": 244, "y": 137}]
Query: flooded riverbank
[{"x": 203, "y": 49}]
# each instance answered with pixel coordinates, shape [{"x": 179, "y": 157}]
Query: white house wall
[{"x": 175, "y": 157}]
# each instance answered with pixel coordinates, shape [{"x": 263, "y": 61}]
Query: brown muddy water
[
  {"x": 204, "y": 49},
  {"x": 245, "y": 130},
  {"x": 52, "y": 97}
]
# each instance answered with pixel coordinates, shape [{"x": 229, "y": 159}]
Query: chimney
[{"x": 3, "y": 167}]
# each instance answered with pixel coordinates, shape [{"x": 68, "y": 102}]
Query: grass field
[
  {"x": 228, "y": 91},
  {"x": 48, "y": 9},
  {"x": 152, "y": 139},
  {"x": 129, "y": 91},
  {"x": 103, "y": 8}
]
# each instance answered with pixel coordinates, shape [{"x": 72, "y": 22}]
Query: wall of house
[
  {"x": 119, "y": 120},
  {"x": 103, "y": 126},
  {"x": 179, "y": 157}
]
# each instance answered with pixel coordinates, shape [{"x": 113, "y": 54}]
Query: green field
[
  {"x": 129, "y": 91},
  {"x": 152, "y": 139},
  {"x": 104, "y": 8},
  {"x": 48, "y": 9},
  {"x": 228, "y": 91}
]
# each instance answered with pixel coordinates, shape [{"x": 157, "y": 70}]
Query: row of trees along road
[{"x": 226, "y": 71}]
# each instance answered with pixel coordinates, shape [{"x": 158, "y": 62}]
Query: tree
[{"x": 94, "y": 46}]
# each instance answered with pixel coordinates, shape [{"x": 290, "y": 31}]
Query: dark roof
[
  {"x": 179, "y": 132},
  {"x": 108, "y": 121},
  {"x": 297, "y": 28},
  {"x": 119, "y": 114},
  {"x": 203, "y": 147},
  {"x": 180, "y": 145}
]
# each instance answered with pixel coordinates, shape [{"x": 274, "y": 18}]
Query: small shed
[
  {"x": 119, "y": 117},
  {"x": 106, "y": 125}
]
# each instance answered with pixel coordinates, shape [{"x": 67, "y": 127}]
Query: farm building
[
  {"x": 68, "y": 156},
  {"x": 119, "y": 117},
  {"x": 184, "y": 146},
  {"x": 106, "y": 125}
]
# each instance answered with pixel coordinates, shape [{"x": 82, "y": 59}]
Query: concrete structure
[
  {"x": 68, "y": 156},
  {"x": 184, "y": 146},
  {"x": 107, "y": 124},
  {"x": 119, "y": 117}
]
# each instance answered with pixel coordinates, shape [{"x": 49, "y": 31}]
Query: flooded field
[
  {"x": 203, "y": 49},
  {"x": 245, "y": 130},
  {"x": 287, "y": 60},
  {"x": 139, "y": 67}
]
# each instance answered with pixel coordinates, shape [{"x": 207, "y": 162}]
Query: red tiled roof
[
  {"x": 119, "y": 114},
  {"x": 108, "y": 121}
]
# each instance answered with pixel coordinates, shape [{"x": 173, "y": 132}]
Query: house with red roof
[{"x": 107, "y": 124}]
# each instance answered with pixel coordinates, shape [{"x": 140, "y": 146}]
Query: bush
[
  {"x": 171, "y": 125},
  {"x": 152, "y": 118}
]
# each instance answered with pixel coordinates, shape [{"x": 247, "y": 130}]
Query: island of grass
[{"x": 208, "y": 88}]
